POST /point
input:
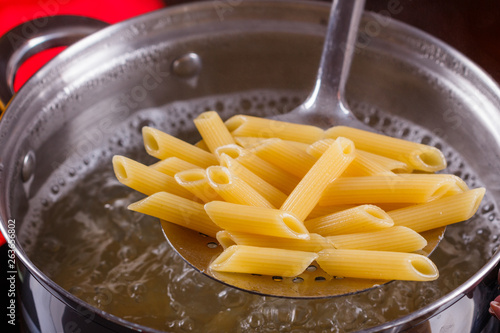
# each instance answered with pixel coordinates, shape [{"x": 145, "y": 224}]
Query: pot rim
[{"x": 413, "y": 318}]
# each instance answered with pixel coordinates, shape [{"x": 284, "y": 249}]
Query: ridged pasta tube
[
  {"x": 396, "y": 239},
  {"x": 261, "y": 260},
  {"x": 144, "y": 179},
  {"x": 285, "y": 156},
  {"x": 363, "y": 218},
  {"x": 400, "y": 188},
  {"x": 383, "y": 265},
  {"x": 175, "y": 209},
  {"x": 275, "y": 176},
  {"x": 367, "y": 163},
  {"x": 440, "y": 212},
  {"x": 328, "y": 167},
  {"x": 256, "y": 220},
  {"x": 233, "y": 189},
  {"x": 315, "y": 243},
  {"x": 162, "y": 145},
  {"x": 417, "y": 155},
  {"x": 268, "y": 191},
  {"x": 243, "y": 125},
  {"x": 212, "y": 130},
  {"x": 196, "y": 182},
  {"x": 172, "y": 165}
]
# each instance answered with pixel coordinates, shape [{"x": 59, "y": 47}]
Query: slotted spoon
[{"x": 324, "y": 107}]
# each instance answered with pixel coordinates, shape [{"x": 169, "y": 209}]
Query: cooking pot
[{"x": 60, "y": 131}]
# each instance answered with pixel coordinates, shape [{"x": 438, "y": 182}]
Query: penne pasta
[
  {"x": 255, "y": 220},
  {"x": 418, "y": 156},
  {"x": 172, "y": 165},
  {"x": 348, "y": 198},
  {"x": 265, "y": 261},
  {"x": 162, "y": 145},
  {"x": 178, "y": 210},
  {"x": 196, "y": 182},
  {"x": 212, "y": 130},
  {"x": 275, "y": 176},
  {"x": 400, "y": 188},
  {"x": 364, "y": 166},
  {"x": 144, "y": 179},
  {"x": 243, "y": 125},
  {"x": 395, "y": 239},
  {"x": 364, "y": 218},
  {"x": 328, "y": 167},
  {"x": 319, "y": 211},
  {"x": 249, "y": 142},
  {"x": 315, "y": 243},
  {"x": 233, "y": 189},
  {"x": 387, "y": 163},
  {"x": 440, "y": 212},
  {"x": 383, "y": 265},
  {"x": 268, "y": 191},
  {"x": 285, "y": 156}
]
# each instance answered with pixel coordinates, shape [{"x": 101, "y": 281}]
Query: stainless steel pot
[{"x": 197, "y": 55}]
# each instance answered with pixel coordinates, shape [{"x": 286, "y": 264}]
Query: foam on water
[{"x": 117, "y": 260}]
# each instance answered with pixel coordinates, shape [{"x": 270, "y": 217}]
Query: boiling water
[{"x": 118, "y": 260}]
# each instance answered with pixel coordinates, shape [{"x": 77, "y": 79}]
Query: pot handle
[{"x": 31, "y": 37}]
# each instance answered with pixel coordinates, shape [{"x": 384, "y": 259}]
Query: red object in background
[{"x": 13, "y": 13}]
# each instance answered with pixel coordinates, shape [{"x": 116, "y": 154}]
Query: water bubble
[
  {"x": 72, "y": 172},
  {"x": 54, "y": 189},
  {"x": 487, "y": 208}
]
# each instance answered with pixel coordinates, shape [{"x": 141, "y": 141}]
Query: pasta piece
[
  {"x": 212, "y": 130},
  {"x": 383, "y": 265},
  {"x": 233, "y": 189},
  {"x": 364, "y": 218},
  {"x": 275, "y": 176},
  {"x": 255, "y": 220},
  {"x": 196, "y": 182},
  {"x": 328, "y": 167},
  {"x": 315, "y": 243},
  {"x": 418, "y": 156},
  {"x": 144, "y": 179},
  {"x": 249, "y": 142},
  {"x": 265, "y": 261},
  {"x": 395, "y": 239},
  {"x": 242, "y": 125},
  {"x": 172, "y": 165},
  {"x": 440, "y": 212},
  {"x": 175, "y": 209},
  {"x": 285, "y": 156},
  {"x": 387, "y": 163},
  {"x": 363, "y": 166},
  {"x": 360, "y": 166},
  {"x": 202, "y": 145},
  {"x": 162, "y": 145},
  {"x": 400, "y": 188},
  {"x": 268, "y": 191},
  {"x": 319, "y": 211}
]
